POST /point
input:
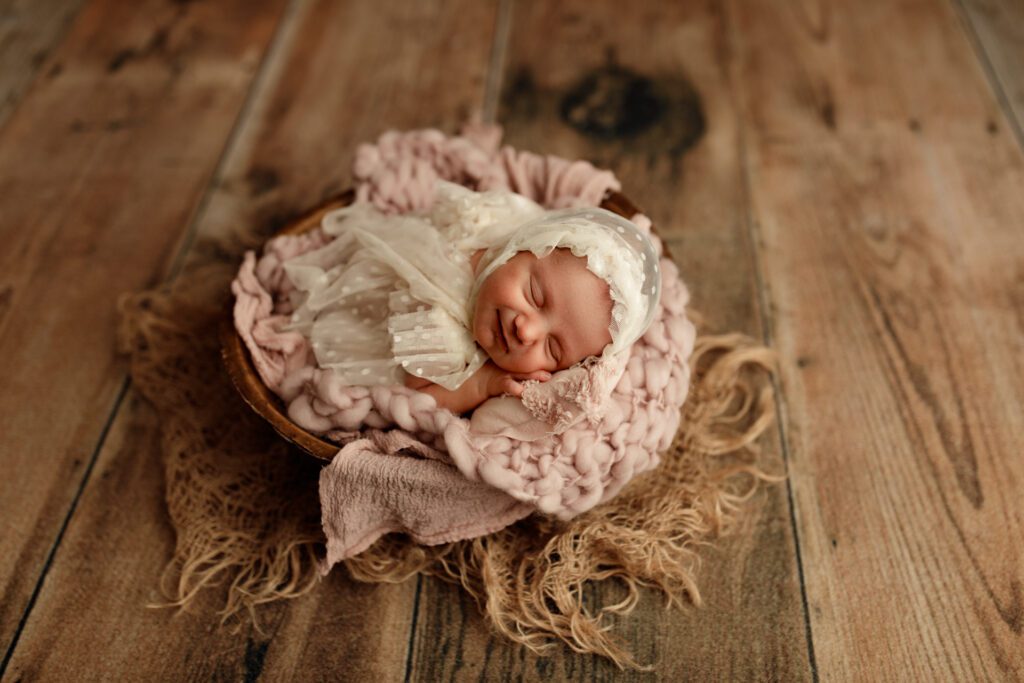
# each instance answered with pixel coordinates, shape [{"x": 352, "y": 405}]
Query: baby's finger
[
  {"x": 539, "y": 375},
  {"x": 510, "y": 386}
]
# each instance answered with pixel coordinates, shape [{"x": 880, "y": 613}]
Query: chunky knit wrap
[{"x": 631, "y": 411}]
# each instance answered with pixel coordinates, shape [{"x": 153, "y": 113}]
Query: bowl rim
[{"x": 242, "y": 371}]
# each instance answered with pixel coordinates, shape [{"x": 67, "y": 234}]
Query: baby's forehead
[
  {"x": 562, "y": 259},
  {"x": 561, "y": 265}
]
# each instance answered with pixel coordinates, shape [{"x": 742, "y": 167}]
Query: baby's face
[{"x": 542, "y": 314}]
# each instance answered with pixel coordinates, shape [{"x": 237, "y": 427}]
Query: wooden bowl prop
[{"x": 239, "y": 363}]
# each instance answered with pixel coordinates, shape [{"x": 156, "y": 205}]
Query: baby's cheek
[
  {"x": 518, "y": 363},
  {"x": 535, "y": 360}
]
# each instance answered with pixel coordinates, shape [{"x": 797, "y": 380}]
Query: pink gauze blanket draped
[{"x": 409, "y": 466}]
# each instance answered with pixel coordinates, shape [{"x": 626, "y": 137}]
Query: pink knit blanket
[{"x": 409, "y": 466}]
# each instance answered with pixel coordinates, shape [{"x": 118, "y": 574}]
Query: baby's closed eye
[
  {"x": 555, "y": 351},
  {"x": 536, "y": 294}
]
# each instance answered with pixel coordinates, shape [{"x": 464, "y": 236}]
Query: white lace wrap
[{"x": 389, "y": 293}]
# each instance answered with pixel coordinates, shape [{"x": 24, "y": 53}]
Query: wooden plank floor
[{"x": 839, "y": 179}]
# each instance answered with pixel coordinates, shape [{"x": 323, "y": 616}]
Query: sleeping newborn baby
[{"x": 474, "y": 297}]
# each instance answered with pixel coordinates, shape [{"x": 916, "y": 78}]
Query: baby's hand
[
  {"x": 488, "y": 381},
  {"x": 500, "y": 382}
]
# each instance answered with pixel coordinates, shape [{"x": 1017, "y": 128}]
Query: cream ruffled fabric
[{"x": 391, "y": 293}]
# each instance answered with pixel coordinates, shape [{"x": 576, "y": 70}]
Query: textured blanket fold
[
  {"x": 390, "y": 482},
  {"x": 411, "y": 467}
]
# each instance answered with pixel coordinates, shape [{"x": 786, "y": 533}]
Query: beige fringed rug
[{"x": 246, "y": 510}]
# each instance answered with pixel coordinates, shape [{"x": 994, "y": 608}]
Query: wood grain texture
[
  {"x": 838, "y": 174},
  {"x": 101, "y": 166},
  {"x": 889, "y": 208},
  {"x": 567, "y": 92},
  {"x": 29, "y": 30},
  {"x": 92, "y": 621},
  {"x": 998, "y": 26},
  {"x": 339, "y": 74},
  {"x": 352, "y": 72}
]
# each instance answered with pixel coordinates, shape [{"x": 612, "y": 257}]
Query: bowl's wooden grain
[{"x": 239, "y": 363}]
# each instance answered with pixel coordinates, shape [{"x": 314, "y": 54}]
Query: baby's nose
[{"x": 528, "y": 329}]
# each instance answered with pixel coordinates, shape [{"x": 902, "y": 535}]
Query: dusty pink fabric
[
  {"x": 397, "y": 174},
  {"x": 389, "y": 482},
  {"x": 616, "y": 420}
]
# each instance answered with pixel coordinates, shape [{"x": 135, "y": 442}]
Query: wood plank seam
[
  {"x": 412, "y": 628},
  {"x": 64, "y": 525},
  {"x": 991, "y": 74},
  {"x": 175, "y": 269},
  {"x": 764, "y": 306},
  {"x": 496, "y": 67},
  {"x": 492, "y": 94},
  {"x": 767, "y": 335},
  {"x": 287, "y": 23}
]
